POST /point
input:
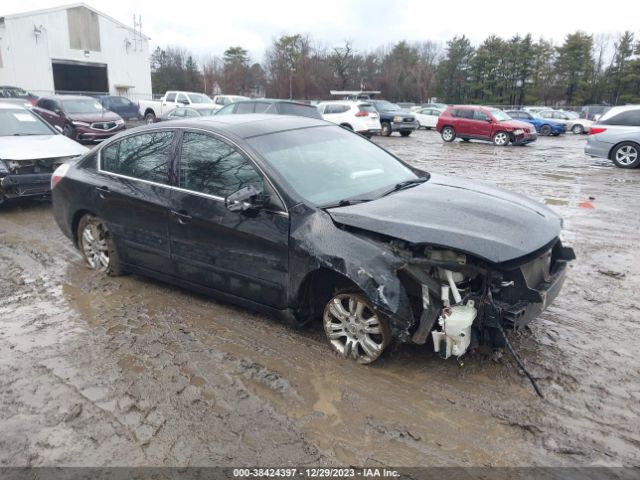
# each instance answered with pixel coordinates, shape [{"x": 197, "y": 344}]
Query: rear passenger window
[
  {"x": 211, "y": 166},
  {"x": 630, "y": 118},
  {"x": 463, "y": 113},
  {"x": 245, "y": 107},
  {"x": 478, "y": 115},
  {"x": 145, "y": 156}
]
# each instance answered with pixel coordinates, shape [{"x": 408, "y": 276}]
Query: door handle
[
  {"x": 183, "y": 217},
  {"x": 103, "y": 192}
]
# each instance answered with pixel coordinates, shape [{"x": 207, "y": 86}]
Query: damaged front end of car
[
  {"x": 461, "y": 301},
  {"x": 27, "y": 178}
]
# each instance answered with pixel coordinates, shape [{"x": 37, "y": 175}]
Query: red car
[
  {"x": 484, "y": 123},
  {"x": 81, "y": 118}
]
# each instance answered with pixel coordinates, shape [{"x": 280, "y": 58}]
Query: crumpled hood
[
  {"x": 39, "y": 146},
  {"x": 516, "y": 124},
  {"x": 463, "y": 215}
]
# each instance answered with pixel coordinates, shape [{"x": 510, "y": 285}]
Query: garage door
[{"x": 80, "y": 77}]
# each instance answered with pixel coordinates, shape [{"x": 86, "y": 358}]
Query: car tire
[
  {"x": 150, "y": 118},
  {"x": 448, "y": 134},
  {"x": 577, "y": 129},
  {"x": 69, "y": 131},
  {"x": 626, "y": 155},
  {"x": 500, "y": 139},
  {"x": 354, "y": 328},
  {"x": 465, "y": 139},
  {"x": 545, "y": 130},
  {"x": 386, "y": 129},
  {"x": 406, "y": 133},
  {"x": 97, "y": 246}
]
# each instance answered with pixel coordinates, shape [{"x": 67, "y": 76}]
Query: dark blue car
[
  {"x": 120, "y": 105},
  {"x": 544, "y": 126}
]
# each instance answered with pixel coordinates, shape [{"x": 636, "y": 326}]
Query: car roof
[
  {"x": 615, "y": 110},
  {"x": 67, "y": 97},
  {"x": 274, "y": 100},
  {"x": 245, "y": 126},
  {"x": 11, "y": 105}
]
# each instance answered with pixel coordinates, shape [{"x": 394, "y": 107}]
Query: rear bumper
[
  {"x": 28, "y": 185},
  {"x": 596, "y": 148}
]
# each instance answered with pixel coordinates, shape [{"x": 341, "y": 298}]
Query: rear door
[
  {"x": 464, "y": 122},
  {"x": 240, "y": 253},
  {"x": 132, "y": 194}
]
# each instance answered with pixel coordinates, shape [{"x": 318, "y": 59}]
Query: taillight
[
  {"x": 362, "y": 114},
  {"x": 595, "y": 130},
  {"x": 59, "y": 174}
]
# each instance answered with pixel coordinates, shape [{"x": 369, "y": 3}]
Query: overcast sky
[{"x": 211, "y": 26}]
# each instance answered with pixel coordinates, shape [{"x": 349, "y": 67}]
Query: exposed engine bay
[
  {"x": 20, "y": 178},
  {"x": 461, "y": 301}
]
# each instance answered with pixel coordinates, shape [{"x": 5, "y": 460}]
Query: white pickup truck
[
  {"x": 152, "y": 109},
  {"x": 222, "y": 100}
]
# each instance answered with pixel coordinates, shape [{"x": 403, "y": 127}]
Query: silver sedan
[{"x": 616, "y": 136}]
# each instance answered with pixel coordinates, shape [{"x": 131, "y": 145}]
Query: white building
[{"x": 71, "y": 49}]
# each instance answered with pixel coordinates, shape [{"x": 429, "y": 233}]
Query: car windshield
[
  {"x": 326, "y": 165},
  {"x": 17, "y": 122},
  {"x": 199, "y": 98},
  {"x": 499, "y": 115},
  {"x": 387, "y": 106},
  {"x": 82, "y": 105}
]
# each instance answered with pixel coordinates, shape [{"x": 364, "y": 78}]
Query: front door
[
  {"x": 132, "y": 195},
  {"x": 481, "y": 125},
  {"x": 240, "y": 253}
]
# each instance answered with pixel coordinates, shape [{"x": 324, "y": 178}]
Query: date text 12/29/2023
[{"x": 321, "y": 472}]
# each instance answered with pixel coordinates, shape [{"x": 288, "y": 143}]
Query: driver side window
[{"x": 213, "y": 167}]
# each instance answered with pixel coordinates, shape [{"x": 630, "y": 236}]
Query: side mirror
[
  {"x": 244, "y": 199},
  {"x": 58, "y": 128}
]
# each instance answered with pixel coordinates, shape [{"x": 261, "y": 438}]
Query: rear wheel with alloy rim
[
  {"x": 448, "y": 134},
  {"x": 354, "y": 328},
  {"x": 97, "y": 246},
  {"x": 577, "y": 129},
  {"x": 150, "y": 118},
  {"x": 626, "y": 155},
  {"x": 501, "y": 139}
]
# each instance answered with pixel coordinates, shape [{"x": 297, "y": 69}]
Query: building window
[{"x": 84, "y": 29}]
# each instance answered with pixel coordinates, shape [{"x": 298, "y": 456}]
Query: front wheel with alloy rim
[
  {"x": 386, "y": 129},
  {"x": 577, "y": 129},
  {"x": 97, "y": 246},
  {"x": 448, "y": 134},
  {"x": 501, "y": 139},
  {"x": 626, "y": 155},
  {"x": 545, "y": 130},
  {"x": 354, "y": 328}
]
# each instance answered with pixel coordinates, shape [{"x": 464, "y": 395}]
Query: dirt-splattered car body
[{"x": 428, "y": 251}]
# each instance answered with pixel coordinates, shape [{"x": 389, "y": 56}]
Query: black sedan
[{"x": 306, "y": 220}]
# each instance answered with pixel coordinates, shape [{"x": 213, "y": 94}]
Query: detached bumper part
[{"x": 26, "y": 185}]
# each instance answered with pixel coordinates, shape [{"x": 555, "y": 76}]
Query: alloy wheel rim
[
  {"x": 94, "y": 247},
  {"x": 354, "y": 329},
  {"x": 626, "y": 155},
  {"x": 447, "y": 134},
  {"x": 501, "y": 138}
]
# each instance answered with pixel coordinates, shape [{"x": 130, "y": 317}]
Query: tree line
[{"x": 583, "y": 69}]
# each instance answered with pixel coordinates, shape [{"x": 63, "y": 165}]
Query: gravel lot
[{"x": 129, "y": 371}]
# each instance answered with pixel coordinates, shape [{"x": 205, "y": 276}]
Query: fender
[{"x": 346, "y": 253}]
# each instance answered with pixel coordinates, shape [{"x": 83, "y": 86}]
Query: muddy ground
[{"x": 130, "y": 371}]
